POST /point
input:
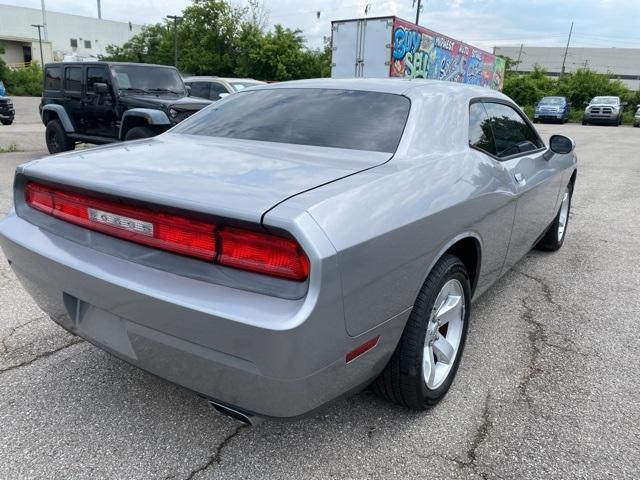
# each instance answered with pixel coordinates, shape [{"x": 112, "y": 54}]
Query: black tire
[
  {"x": 535, "y": 120},
  {"x": 6, "y": 122},
  {"x": 137, "y": 133},
  {"x": 402, "y": 381},
  {"x": 584, "y": 122},
  {"x": 57, "y": 139},
  {"x": 550, "y": 242}
]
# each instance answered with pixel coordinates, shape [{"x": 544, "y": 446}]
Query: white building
[
  {"x": 621, "y": 63},
  {"x": 67, "y": 35}
]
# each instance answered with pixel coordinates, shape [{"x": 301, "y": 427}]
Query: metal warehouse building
[
  {"x": 64, "y": 35},
  {"x": 622, "y": 63}
]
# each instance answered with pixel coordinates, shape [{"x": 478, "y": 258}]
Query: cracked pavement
[{"x": 548, "y": 386}]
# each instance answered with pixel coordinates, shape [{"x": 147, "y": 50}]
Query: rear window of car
[
  {"x": 349, "y": 119},
  {"x": 52, "y": 78}
]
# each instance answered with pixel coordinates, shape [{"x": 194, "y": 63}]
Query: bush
[
  {"x": 579, "y": 87},
  {"x": 24, "y": 81}
]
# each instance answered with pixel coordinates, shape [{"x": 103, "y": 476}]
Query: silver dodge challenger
[{"x": 294, "y": 242}]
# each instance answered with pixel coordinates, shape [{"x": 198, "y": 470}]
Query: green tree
[
  {"x": 216, "y": 38},
  {"x": 528, "y": 89},
  {"x": 207, "y": 34},
  {"x": 584, "y": 84},
  {"x": 153, "y": 45}
]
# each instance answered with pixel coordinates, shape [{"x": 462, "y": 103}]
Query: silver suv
[{"x": 604, "y": 110}]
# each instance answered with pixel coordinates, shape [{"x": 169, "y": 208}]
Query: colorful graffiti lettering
[
  {"x": 404, "y": 42},
  {"x": 421, "y": 53}
]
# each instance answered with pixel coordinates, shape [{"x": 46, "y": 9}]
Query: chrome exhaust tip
[{"x": 238, "y": 415}]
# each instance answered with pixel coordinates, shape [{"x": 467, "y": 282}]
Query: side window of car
[
  {"x": 512, "y": 135},
  {"x": 199, "y": 89},
  {"x": 216, "y": 90},
  {"x": 73, "y": 79},
  {"x": 96, "y": 75},
  {"x": 480, "y": 133},
  {"x": 52, "y": 78}
]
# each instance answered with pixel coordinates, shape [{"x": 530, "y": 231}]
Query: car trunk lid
[{"x": 231, "y": 178}]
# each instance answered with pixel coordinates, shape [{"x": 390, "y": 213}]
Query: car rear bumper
[{"x": 266, "y": 356}]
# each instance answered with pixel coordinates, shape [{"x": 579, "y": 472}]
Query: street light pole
[
  {"x": 175, "y": 19},
  {"x": 566, "y": 50},
  {"x": 418, "y": 10},
  {"x": 40, "y": 42},
  {"x": 44, "y": 21}
]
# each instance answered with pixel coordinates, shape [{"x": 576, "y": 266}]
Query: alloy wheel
[
  {"x": 564, "y": 214},
  {"x": 443, "y": 335}
]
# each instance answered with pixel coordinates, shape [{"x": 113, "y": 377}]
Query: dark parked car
[
  {"x": 555, "y": 109},
  {"x": 607, "y": 110},
  {"x": 104, "y": 102},
  {"x": 7, "y": 113}
]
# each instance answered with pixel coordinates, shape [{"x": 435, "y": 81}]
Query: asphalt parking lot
[{"x": 548, "y": 386}]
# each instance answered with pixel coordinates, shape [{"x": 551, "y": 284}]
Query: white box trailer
[{"x": 392, "y": 47}]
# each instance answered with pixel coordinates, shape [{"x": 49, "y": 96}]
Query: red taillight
[
  {"x": 262, "y": 253},
  {"x": 233, "y": 247},
  {"x": 160, "y": 230}
]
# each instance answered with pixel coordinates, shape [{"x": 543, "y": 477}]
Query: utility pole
[
  {"x": 519, "y": 57},
  {"x": 99, "y": 10},
  {"x": 566, "y": 50},
  {"x": 40, "y": 42},
  {"x": 175, "y": 19},
  {"x": 419, "y": 2},
  {"x": 44, "y": 21}
]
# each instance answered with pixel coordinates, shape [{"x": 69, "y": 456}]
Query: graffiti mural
[{"x": 420, "y": 53}]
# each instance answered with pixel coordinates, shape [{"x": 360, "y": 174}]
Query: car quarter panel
[{"x": 390, "y": 224}]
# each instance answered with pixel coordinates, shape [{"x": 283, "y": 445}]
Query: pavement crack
[
  {"x": 480, "y": 436},
  {"x": 216, "y": 458},
  {"x": 14, "y": 330},
  {"x": 546, "y": 289},
  {"x": 537, "y": 337},
  {"x": 42, "y": 355}
]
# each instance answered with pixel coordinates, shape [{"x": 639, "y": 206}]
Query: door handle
[{"x": 520, "y": 179}]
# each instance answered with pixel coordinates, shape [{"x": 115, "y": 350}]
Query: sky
[{"x": 482, "y": 23}]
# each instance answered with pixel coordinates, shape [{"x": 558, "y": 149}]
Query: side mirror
[
  {"x": 586, "y": 103},
  {"x": 624, "y": 104},
  {"x": 561, "y": 145},
  {"x": 188, "y": 90},
  {"x": 536, "y": 104},
  {"x": 101, "y": 88},
  {"x": 222, "y": 95}
]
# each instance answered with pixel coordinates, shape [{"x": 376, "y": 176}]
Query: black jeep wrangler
[{"x": 104, "y": 102}]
